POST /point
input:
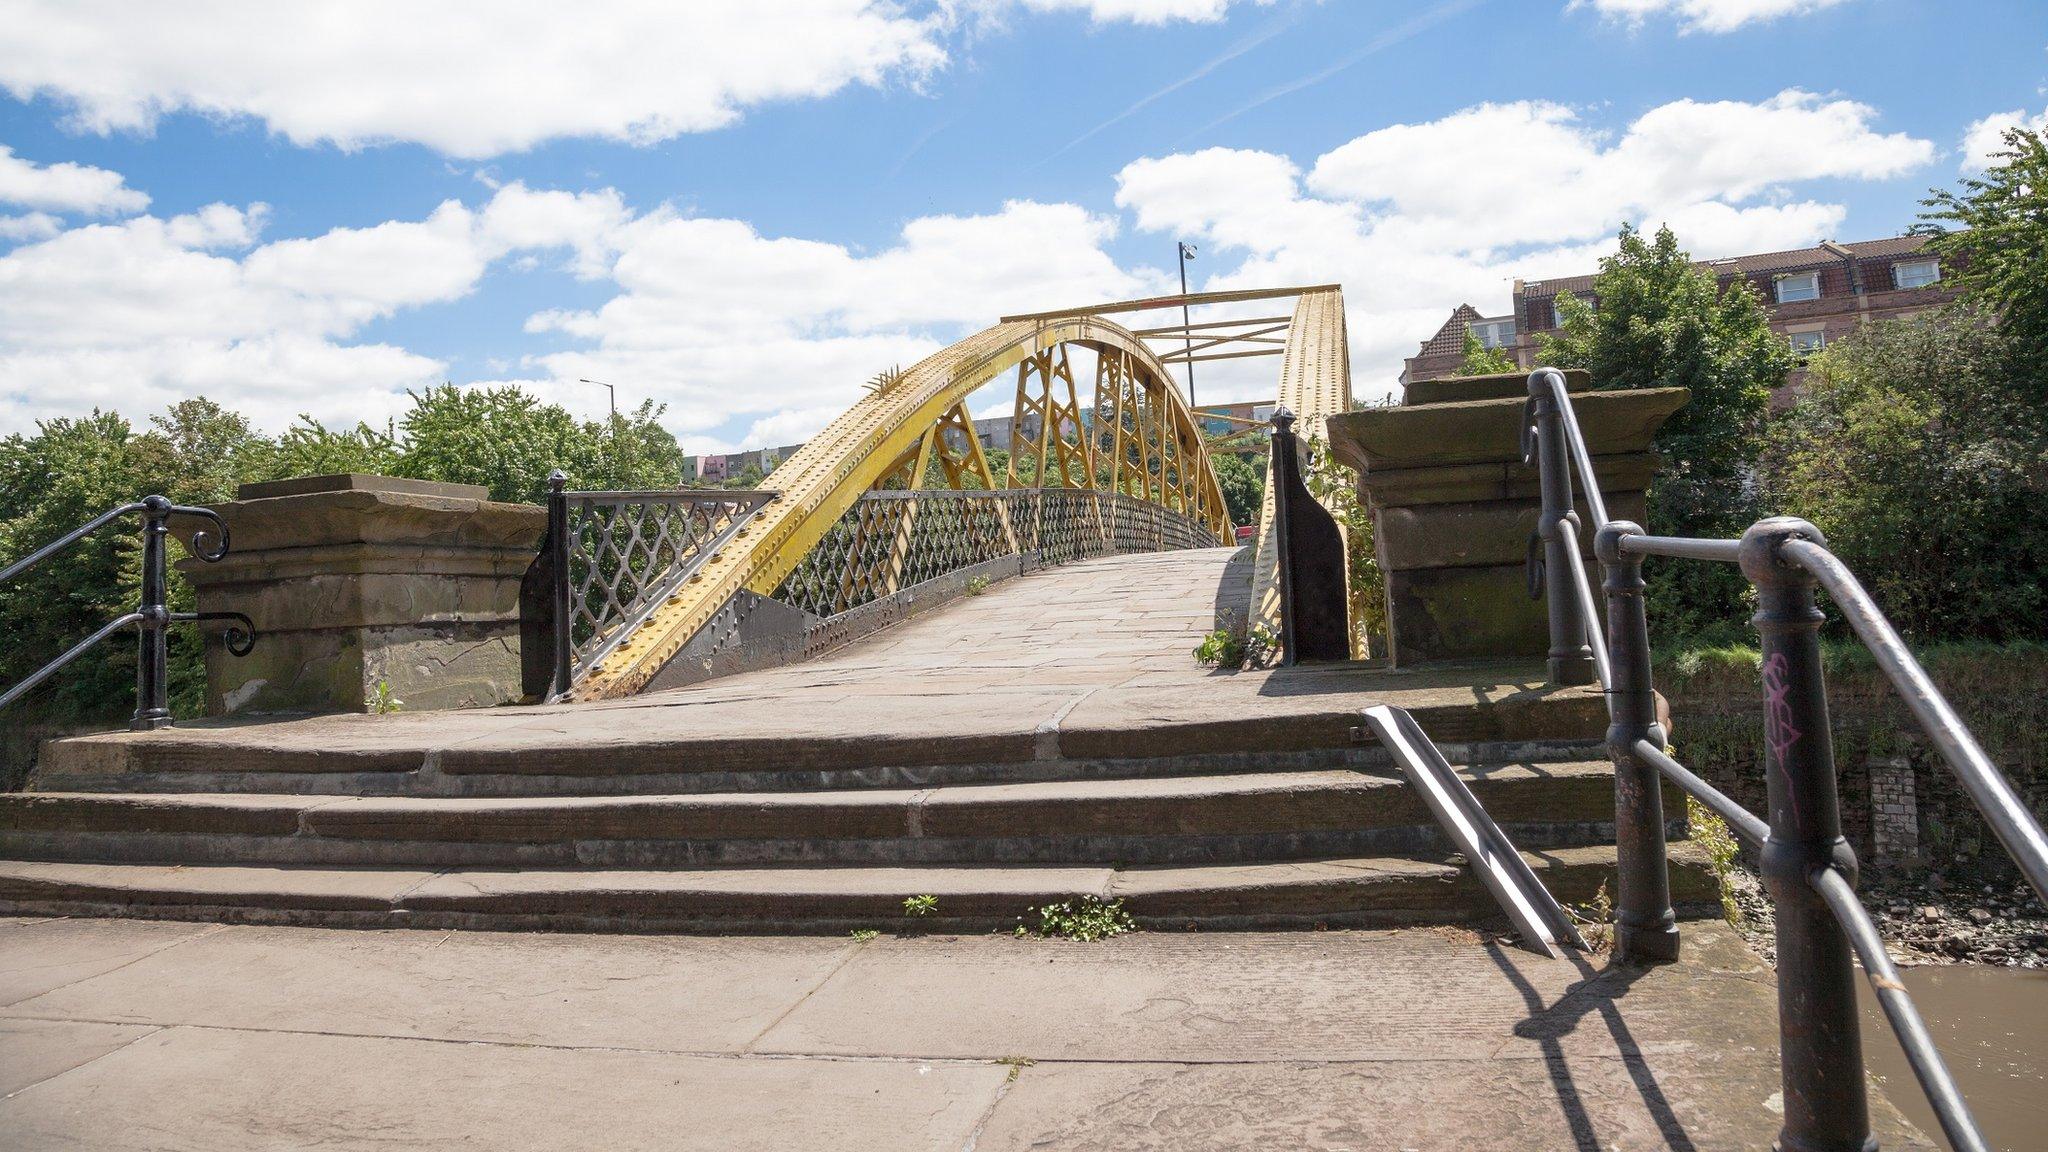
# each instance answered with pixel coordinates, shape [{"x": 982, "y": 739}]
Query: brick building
[{"x": 1813, "y": 295}]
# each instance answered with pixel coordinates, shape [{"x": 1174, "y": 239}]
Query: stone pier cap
[
  {"x": 355, "y": 581},
  {"x": 1454, "y": 506}
]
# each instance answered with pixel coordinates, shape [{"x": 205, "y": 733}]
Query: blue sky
[{"x": 743, "y": 214}]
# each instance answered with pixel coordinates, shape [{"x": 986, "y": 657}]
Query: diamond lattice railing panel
[
  {"x": 629, "y": 550},
  {"x": 891, "y": 541}
]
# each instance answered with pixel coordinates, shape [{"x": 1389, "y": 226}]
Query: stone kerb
[
  {"x": 354, "y": 581},
  {"x": 1453, "y": 505}
]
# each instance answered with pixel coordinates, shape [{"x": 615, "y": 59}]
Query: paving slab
[
  {"x": 288, "y": 1038},
  {"x": 207, "y": 1090},
  {"x": 39, "y": 955},
  {"x": 1403, "y": 995},
  {"x": 681, "y": 994},
  {"x": 36, "y": 1050}
]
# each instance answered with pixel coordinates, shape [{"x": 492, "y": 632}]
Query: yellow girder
[
  {"x": 898, "y": 427},
  {"x": 1315, "y": 384}
]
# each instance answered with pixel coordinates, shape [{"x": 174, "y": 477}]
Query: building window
[
  {"x": 1798, "y": 286},
  {"x": 1263, "y": 412},
  {"x": 1916, "y": 273},
  {"x": 1493, "y": 333},
  {"x": 1805, "y": 344},
  {"x": 1557, "y": 309}
]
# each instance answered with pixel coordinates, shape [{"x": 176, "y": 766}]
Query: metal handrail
[
  {"x": 1809, "y": 868},
  {"x": 1988, "y": 788},
  {"x": 153, "y": 617}
]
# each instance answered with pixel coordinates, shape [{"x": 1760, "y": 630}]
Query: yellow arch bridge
[{"x": 894, "y": 505}]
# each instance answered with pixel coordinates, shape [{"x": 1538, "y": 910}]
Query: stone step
[
  {"x": 1367, "y": 891},
  {"x": 1147, "y": 820},
  {"x": 675, "y": 743}
]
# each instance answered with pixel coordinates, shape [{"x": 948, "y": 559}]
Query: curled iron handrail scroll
[
  {"x": 2002, "y": 808},
  {"x": 1928, "y": 1068},
  {"x": 193, "y": 543},
  {"x": 153, "y": 616}
]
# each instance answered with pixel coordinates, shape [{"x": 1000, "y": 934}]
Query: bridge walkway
[{"x": 1051, "y": 737}]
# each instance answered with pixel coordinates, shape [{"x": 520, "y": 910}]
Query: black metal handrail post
[
  {"x": 1282, "y": 440},
  {"x": 1820, "y": 1046},
  {"x": 1571, "y": 658},
  {"x": 1646, "y": 927},
  {"x": 558, "y": 555},
  {"x": 153, "y": 660}
]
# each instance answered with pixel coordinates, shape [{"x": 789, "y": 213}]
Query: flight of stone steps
[{"x": 1189, "y": 826}]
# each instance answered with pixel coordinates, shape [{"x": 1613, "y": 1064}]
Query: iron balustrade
[
  {"x": 892, "y": 541},
  {"x": 1809, "y": 868},
  {"x": 610, "y": 558},
  {"x": 152, "y": 617}
]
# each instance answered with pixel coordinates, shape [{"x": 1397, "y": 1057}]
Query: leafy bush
[
  {"x": 1925, "y": 462},
  {"x": 70, "y": 470}
]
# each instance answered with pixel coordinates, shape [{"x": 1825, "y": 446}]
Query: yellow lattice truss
[{"x": 913, "y": 420}]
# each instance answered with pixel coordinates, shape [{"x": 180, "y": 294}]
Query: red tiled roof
[
  {"x": 1450, "y": 337},
  {"x": 1789, "y": 260}
]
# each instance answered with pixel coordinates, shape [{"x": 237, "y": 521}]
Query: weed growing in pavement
[
  {"x": 1082, "y": 918},
  {"x": 1597, "y": 915},
  {"x": 920, "y": 905},
  {"x": 382, "y": 702},
  {"x": 1712, "y": 834},
  {"x": 863, "y": 935},
  {"x": 976, "y": 585}
]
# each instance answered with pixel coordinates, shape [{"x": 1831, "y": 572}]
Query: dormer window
[
  {"x": 1493, "y": 333},
  {"x": 1557, "y": 309},
  {"x": 1916, "y": 273},
  {"x": 1798, "y": 286}
]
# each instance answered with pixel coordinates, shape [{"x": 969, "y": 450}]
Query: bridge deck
[{"x": 1090, "y": 661}]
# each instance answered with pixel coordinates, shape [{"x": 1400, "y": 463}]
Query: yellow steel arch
[{"x": 895, "y": 432}]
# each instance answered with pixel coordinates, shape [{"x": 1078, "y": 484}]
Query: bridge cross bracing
[{"x": 1136, "y": 441}]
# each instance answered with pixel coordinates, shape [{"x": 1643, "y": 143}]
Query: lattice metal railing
[
  {"x": 889, "y": 542},
  {"x": 623, "y": 554}
]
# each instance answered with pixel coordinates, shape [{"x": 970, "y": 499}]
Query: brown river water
[{"x": 1991, "y": 1025}]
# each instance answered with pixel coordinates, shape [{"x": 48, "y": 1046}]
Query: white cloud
[
  {"x": 1139, "y": 11},
  {"x": 65, "y": 187},
  {"x": 30, "y": 226},
  {"x": 143, "y": 312},
  {"x": 1985, "y": 138},
  {"x": 477, "y": 78},
  {"x": 725, "y": 324},
  {"x": 1412, "y": 220},
  {"x": 1703, "y": 15},
  {"x": 470, "y": 78}
]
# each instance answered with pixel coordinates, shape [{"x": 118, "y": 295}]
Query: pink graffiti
[{"x": 1779, "y": 730}]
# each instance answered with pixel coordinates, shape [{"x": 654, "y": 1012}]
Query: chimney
[{"x": 1848, "y": 258}]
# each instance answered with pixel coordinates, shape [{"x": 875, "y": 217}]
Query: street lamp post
[
  {"x": 1187, "y": 253},
  {"x": 609, "y": 390}
]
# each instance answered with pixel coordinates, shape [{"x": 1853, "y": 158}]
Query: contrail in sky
[
  {"x": 1414, "y": 25},
  {"x": 1233, "y": 52}
]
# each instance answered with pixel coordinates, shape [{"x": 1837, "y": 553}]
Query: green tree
[
  {"x": 1992, "y": 238},
  {"x": 1483, "y": 361},
  {"x": 1924, "y": 458},
  {"x": 310, "y": 448},
  {"x": 1244, "y": 483},
  {"x": 1664, "y": 322},
  {"x": 502, "y": 438}
]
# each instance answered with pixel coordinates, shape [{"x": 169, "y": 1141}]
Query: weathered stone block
[
  {"x": 353, "y": 581},
  {"x": 1454, "y": 507}
]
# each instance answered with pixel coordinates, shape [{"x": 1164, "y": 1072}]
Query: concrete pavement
[{"x": 129, "y": 1034}]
